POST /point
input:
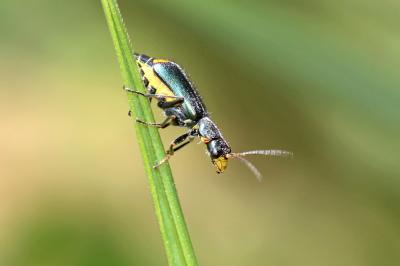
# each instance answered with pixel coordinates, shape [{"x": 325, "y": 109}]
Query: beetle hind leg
[
  {"x": 151, "y": 95},
  {"x": 169, "y": 104}
]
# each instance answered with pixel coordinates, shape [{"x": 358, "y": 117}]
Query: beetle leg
[
  {"x": 188, "y": 122},
  {"x": 183, "y": 144},
  {"x": 178, "y": 114},
  {"x": 165, "y": 104},
  {"x": 162, "y": 96},
  {"x": 163, "y": 124},
  {"x": 175, "y": 145},
  {"x": 150, "y": 95}
]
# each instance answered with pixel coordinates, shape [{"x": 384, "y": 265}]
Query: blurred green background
[{"x": 319, "y": 78}]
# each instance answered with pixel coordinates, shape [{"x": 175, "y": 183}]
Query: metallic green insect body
[{"x": 182, "y": 105}]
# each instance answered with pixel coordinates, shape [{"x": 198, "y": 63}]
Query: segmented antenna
[
  {"x": 277, "y": 153},
  {"x": 251, "y": 167}
]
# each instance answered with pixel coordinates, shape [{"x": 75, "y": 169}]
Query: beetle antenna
[
  {"x": 249, "y": 165},
  {"x": 239, "y": 155},
  {"x": 277, "y": 153}
]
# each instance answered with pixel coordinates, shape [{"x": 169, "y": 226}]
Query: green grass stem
[{"x": 170, "y": 217}]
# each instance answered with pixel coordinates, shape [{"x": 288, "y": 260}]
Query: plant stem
[{"x": 170, "y": 217}]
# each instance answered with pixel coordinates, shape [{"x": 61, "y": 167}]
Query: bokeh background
[{"x": 318, "y": 77}]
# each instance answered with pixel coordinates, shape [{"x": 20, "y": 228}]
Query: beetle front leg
[{"x": 175, "y": 145}]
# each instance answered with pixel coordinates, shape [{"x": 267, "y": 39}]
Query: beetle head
[
  {"x": 220, "y": 151},
  {"x": 217, "y": 147}
]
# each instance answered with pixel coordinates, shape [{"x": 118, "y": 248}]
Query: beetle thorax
[{"x": 212, "y": 137}]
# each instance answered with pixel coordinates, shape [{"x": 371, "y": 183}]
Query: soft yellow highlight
[
  {"x": 161, "y": 61},
  {"x": 156, "y": 82},
  {"x": 221, "y": 163}
]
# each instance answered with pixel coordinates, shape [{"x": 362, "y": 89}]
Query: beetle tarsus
[
  {"x": 164, "y": 160},
  {"x": 163, "y": 124}
]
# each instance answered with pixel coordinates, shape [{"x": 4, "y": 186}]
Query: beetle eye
[
  {"x": 213, "y": 148},
  {"x": 217, "y": 148}
]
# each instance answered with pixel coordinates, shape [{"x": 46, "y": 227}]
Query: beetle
[{"x": 183, "y": 106}]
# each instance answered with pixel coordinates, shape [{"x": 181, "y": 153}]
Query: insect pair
[{"x": 167, "y": 82}]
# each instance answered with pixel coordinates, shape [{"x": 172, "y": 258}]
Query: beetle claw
[{"x": 165, "y": 159}]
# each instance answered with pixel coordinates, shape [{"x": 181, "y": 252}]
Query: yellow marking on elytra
[
  {"x": 160, "y": 61},
  {"x": 156, "y": 82}
]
